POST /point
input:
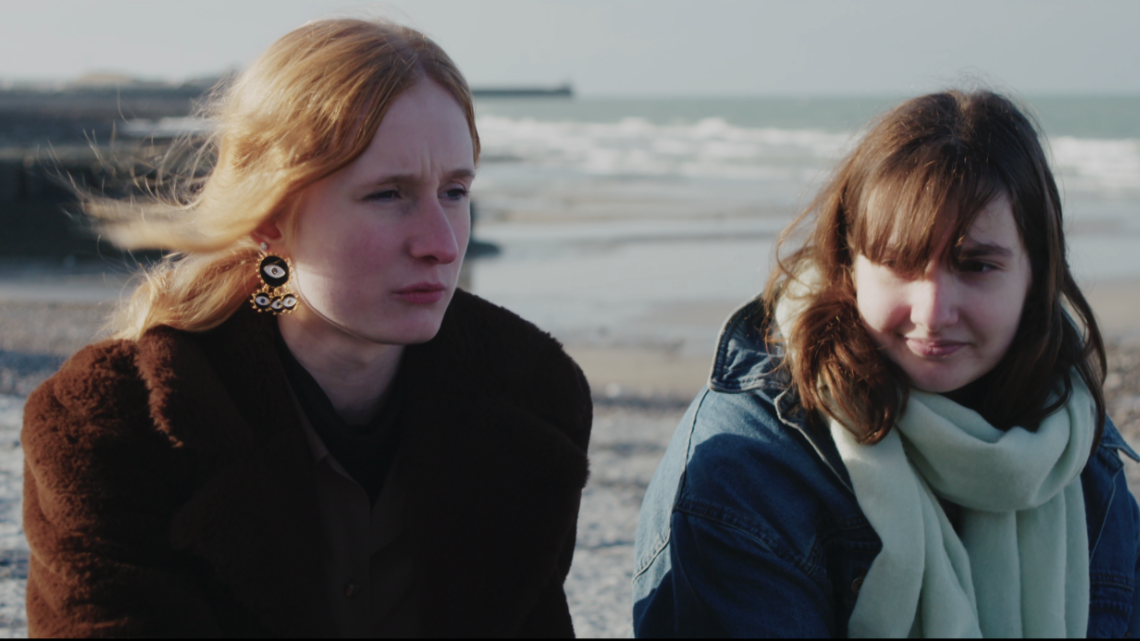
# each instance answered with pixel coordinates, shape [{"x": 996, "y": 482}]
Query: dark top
[{"x": 364, "y": 451}]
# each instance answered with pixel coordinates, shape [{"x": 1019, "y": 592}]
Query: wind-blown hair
[
  {"x": 307, "y": 107},
  {"x": 924, "y": 170}
]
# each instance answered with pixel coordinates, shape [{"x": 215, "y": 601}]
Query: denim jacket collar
[
  {"x": 1112, "y": 439},
  {"x": 746, "y": 363}
]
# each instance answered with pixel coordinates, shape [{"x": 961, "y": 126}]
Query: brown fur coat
[{"x": 169, "y": 489}]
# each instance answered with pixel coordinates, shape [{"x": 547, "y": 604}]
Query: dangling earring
[{"x": 274, "y": 296}]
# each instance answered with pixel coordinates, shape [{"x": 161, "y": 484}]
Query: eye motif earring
[{"x": 274, "y": 296}]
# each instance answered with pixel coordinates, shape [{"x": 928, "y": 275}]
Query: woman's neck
[
  {"x": 355, "y": 375},
  {"x": 973, "y": 395}
]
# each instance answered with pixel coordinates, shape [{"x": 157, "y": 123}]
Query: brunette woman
[
  {"x": 301, "y": 427},
  {"x": 906, "y": 435}
]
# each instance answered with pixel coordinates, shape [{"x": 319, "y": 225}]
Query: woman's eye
[
  {"x": 383, "y": 195},
  {"x": 455, "y": 193},
  {"x": 976, "y": 267}
]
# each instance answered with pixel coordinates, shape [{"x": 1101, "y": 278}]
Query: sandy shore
[{"x": 640, "y": 393}]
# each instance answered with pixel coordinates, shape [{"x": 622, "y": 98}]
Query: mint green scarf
[{"x": 1021, "y": 565}]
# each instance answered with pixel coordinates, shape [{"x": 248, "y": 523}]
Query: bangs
[{"x": 906, "y": 211}]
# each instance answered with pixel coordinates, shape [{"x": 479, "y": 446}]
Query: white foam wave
[
  {"x": 710, "y": 148},
  {"x": 1092, "y": 165},
  {"x": 714, "y": 148}
]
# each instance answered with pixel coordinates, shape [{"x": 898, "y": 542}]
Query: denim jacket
[{"x": 750, "y": 525}]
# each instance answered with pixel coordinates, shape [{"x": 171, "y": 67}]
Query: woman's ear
[{"x": 268, "y": 232}]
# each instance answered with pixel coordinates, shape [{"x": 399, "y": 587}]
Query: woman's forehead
[
  {"x": 910, "y": 232},
  {"x": 994, "y": 224}
]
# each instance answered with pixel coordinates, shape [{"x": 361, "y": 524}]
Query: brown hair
[
  {"x": 925, "y": 169},
  {"x": 307, "y": 107}
]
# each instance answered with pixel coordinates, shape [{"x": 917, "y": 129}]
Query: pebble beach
[{"x": 634, "y": 420}]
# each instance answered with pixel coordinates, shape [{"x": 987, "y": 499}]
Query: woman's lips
[
  {"x": 422, "y": 293},
  {"x": 931, "y": 348}
]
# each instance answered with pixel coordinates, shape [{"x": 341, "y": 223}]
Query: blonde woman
[{"x": 301, "y": 427}]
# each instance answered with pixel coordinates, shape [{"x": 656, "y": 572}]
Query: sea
[{"x": 640, "y": 222}]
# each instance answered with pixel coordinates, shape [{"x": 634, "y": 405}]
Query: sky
[{"x": 685, "y": 48}]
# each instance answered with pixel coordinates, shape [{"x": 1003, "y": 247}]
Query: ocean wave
[
  {"x": 714, "y": 148},
  {"x": 709, "y": 148},
  {"x": 1088, "y": 164}
]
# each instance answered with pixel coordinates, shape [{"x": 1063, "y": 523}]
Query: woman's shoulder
[
  {"x": 97, "y": 379},
  {"x": 91, "y": 418},
  {"x": 469, "y": 317},
  {"x": 749, "y": 420},
  {"x": 749, "y": 435},
  {"x": 482, "y": 335},
  {"x": 103, "y": 375},
  {"x": 497, "y": 354},
  {"x": 749, "y": 390},
  {"x": 123, "y": 388}
]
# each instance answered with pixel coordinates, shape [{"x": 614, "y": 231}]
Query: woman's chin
[
  {"x": 410, "y": 334},
  {"x": 410, "y": 330},
  {"x": 942, "y": 379}
]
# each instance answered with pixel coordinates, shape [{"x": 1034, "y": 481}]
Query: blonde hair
[{"x": 307, "y": 107}]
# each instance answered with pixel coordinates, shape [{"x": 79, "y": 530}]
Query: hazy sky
[{"x": 623, "y": 47}]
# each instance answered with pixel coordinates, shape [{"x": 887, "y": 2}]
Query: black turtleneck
[
  {"x": 364, "y": 451},
  {"x": 973, "y": 395}
]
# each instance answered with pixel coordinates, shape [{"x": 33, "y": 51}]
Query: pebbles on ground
[
  {"x": 627, "y": 441},
  {"x": 13, "y": 546}
]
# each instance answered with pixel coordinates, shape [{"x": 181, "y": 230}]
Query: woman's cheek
[
  {"x": 1003, "y": 323},
  {"x": 877, "y": 308},
  {"x": 873, "y": 295}
]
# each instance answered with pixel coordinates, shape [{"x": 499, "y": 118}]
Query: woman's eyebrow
[
  {"x": 455, "y": 174},
  {"x": 974, "y": 250},
  {"x": 461, "y": 173}
]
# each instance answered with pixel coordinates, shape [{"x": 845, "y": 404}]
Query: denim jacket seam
[
  {"x": 1119, "y": 469},
  {"x": 1109, "y": 606},
  {"x": 719, "y": 515},
  {"x": 689, "y": 441},
  {"x": 1110, "y": 579},
  {"x": 723, "y": 341},
  {"x": 663, "y": 542},
  {"x": 640, "y": 569}
]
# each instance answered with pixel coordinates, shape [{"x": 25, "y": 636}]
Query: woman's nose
[
  {"x": 435, "y": 237},
  {"x": 934, "y": 300}
]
